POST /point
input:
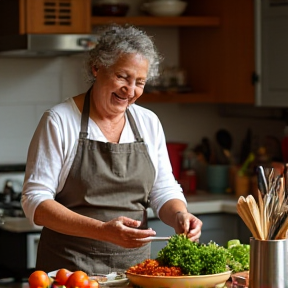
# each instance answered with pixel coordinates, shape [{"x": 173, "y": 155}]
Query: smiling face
[{"x": 120, "y": 85}]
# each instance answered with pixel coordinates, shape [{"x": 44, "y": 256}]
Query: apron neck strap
[
  {"x": 85, "y": 119},
  {"x": 133, "y": 126},
  {"x": 85, "y": 115}
]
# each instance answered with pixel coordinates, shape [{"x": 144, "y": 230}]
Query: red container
[
  {"x": 188, "y": 182},
  {"x": 175, "y": 151}
]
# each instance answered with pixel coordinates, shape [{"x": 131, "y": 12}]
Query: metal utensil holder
[{"x": 268, "y": 263}]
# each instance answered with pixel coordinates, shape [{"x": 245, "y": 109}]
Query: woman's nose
[{"x": 129, "y": 89}]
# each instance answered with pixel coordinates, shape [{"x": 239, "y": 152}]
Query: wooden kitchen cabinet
[
  {"x": 216, "y": 48},
  {"x": 221, "y": 61},
  {"x": 55, "y": 16}
]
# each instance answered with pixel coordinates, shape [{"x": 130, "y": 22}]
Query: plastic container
[{"x": 218, "y": 178}]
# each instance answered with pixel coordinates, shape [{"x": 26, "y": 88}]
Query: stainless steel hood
[{"x": 44, "y": 45}]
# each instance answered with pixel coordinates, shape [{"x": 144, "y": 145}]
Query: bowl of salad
[{"x": 182, "y": 263}]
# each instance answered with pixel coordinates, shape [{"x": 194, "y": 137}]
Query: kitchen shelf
[
  {"x": 171, "y": 97},
  {"x": 192, "y": 21}
]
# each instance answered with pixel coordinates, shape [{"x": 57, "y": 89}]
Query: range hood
[
  {"x": 43, "y": 45},
  {"x": 45, "y": 27}
]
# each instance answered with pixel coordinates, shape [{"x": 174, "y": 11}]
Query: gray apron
[{"x": 105, "y": 181}]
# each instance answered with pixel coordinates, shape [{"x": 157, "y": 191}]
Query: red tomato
[
  {"x": 77, "y": 279},
  {"x": 62, "y": 276},
  {"x": 93, "y": 284},
  {"x": 39, "y": 279}
]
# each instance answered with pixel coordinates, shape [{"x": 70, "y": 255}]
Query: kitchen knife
[
  {"x": 262, "y": 182},
  {"x": 152, "y": 238}
]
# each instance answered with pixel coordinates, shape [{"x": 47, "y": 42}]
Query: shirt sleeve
[
  {"x": 165, "y": 186},
  {"x": 44, "y": 162}
]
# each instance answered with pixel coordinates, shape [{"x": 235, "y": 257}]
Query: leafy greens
[{"x": 203, "y": 259}]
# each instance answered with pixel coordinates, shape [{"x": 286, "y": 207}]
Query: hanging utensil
[{"x": 225, "y": 142}]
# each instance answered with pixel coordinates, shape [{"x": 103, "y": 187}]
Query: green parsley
[{"x": 202, "y": 259}]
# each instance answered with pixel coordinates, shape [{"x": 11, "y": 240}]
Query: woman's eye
[{"x": 141, "y": 83}]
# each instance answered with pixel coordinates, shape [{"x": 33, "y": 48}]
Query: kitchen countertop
[
  {"x": 18, "y": 224},
  {"x": 205, "y": 203},
  {"x": 200, "y": 203}
]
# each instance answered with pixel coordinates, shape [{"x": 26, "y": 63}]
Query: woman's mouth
[{"x": 120, "y": 98}]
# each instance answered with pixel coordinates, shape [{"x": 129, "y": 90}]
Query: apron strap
[
  {"x": 85, "y": 115},
  {"x": 85, "y": 118},
  {"x": 134, "y": 126}
]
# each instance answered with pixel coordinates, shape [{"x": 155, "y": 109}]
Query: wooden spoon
[
  {"x": 244, "y": 212},
  {"x": 283, "y": 230},
  {"x": 255, "y": 213}
]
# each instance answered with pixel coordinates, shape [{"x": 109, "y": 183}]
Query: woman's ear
[{"x": 94, "y": 71}]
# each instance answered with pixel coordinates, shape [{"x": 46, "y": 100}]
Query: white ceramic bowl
[{"x": 165, "y": 8}]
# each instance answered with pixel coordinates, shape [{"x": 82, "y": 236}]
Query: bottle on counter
[{"x": 8, "y": 191}]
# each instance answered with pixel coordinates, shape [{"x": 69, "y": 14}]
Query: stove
[
  {"x": 11, "y": 184},
  {"x": 19, "y": 238}
]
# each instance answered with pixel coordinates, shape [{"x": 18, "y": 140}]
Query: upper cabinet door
[
  {"x": 271, "y": 53},
  {"x": 221, "y": 61},
  {"x": 55, "y": 16}
]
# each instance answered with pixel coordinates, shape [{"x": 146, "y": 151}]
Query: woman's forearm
[
  {"x": 55, "y": 216},
  {"x": 169, "y": 210}
]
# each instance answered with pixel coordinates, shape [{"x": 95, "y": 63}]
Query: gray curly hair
[{"x": 115, "y": 40}]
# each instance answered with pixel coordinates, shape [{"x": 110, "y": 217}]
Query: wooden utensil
[
  {"x": 245, "y": 213},
  {"x": 255, "y": 214}
]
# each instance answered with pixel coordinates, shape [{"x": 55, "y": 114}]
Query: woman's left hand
[{"x": 189, "y": 225}]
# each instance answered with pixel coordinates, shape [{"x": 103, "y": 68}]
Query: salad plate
[
  {"x": 203, "y": 281},
  {"x": 108, "y": 280},
  {"x": 113, "y": 279}
]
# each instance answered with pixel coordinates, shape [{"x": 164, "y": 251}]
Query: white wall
[{"x": 27, "y": 88}]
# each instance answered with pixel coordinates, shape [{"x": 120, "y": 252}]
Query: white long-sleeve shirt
[{"x": 53, "y": 148}]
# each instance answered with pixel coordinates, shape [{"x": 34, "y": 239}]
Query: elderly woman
[{"x": 97, "y": 161}]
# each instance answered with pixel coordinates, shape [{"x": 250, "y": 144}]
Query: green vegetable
[
  {"x": 202, "y": 259},
  {"x": 215, "y": 258},
  {"x": 240, "y": 253},
  {"x": 233, "y": 242}
]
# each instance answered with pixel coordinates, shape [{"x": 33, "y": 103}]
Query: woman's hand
[
  {"x": 124, "y": 232},
  {"x": 189, "y": 225}
]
